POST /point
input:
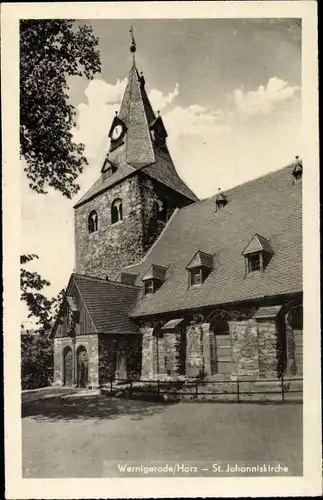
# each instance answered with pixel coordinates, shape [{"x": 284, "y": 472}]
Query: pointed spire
[{"x": 133, "y": 44}]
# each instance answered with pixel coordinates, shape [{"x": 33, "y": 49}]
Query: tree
[
  {"x": 37, "y": 349},
  {"x": 51, "y": 51},
  {"x": 41, "y": 308},
  {"x": 37, "y": 360}
]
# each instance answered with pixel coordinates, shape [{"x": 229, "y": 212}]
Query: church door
[
  {"x": 68, "y": 366},
  {"x": 121, "y": 368},
  {"x": 82, "y": 367}
]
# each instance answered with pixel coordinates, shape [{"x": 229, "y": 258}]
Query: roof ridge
[
  {"x": 104, "y": 280},
  {"x": 230, "y": 190}
]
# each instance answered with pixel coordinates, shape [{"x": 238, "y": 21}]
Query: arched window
[
  {"x": 116, "y": 211},
  {"x": 92, "y": 221}
]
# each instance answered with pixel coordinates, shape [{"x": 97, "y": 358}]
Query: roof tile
[
  {"x": 109, "y": 303},
  {"x": 272, "y": 205}
]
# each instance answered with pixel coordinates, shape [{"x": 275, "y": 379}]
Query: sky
[{"x": 229, "y": 93}]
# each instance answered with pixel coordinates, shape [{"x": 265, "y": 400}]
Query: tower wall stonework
[
  {"x": 103, "y": 253},
  {"x": 152, "y": 191}
]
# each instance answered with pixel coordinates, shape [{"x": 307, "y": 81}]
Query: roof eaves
[{"x": 85, "y": 199}]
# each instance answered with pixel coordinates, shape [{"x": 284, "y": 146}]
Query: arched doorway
[
  {"x": 82, "y": 367},
  {"x": 68, "y": 366}
]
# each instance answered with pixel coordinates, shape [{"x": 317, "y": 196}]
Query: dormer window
[
  {"x": 196, "y": 276},
  {"x": 149, "y": 287},
  {"x": 92, "y": 221},
  {"x": 108, "y": 169},
  {"x": 254, "y": 262},
  {"x": 153, "y": 279},
  {"x": 199, "y": 268},
  {"x": 257, "y": 254}
]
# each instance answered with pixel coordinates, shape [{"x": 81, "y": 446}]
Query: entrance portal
[
  {"x": 68, "y": 366},
  {"x": 82, "y": 367}
]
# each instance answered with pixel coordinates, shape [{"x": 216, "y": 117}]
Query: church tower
[{"x": 122, "y": 214}]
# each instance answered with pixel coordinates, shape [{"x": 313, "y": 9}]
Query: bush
[{"x": 36, "y": 361}]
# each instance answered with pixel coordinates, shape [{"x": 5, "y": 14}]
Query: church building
[{"x": 167, "y": 284}]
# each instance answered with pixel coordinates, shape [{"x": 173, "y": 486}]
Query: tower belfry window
[
  {"x": 116, "y": 211},
  {"x": 93, "y": 221}
]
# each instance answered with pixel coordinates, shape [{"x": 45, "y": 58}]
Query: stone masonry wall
[
  {"x": 208, "y": 348},
  {"x": 152, "y": 191},
  {"x": 244, "y": 341},
  {"x": 194, "y": 350},
  {"x": 171, "y": 346},
  {"x": 94, "y": 361},
  {"x": 148, "y": 368},
  {"x": 200, "y": 349},
  {"x": 161, "y": 355},
  {"x": 90, "y": 342},
  {"x": 58, "y": 375},
  {"x": 290, "y": 345},
  {"x": 268, "y": 347},
  {"x": 104, "y": 252}
]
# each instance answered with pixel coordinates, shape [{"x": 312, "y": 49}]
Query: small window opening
[
  {"x": 93, "y": 222},
  {"x": 116, "y": 211},
  {"x": 196, "y": 276},
  {"x": 254, "y": 262}
]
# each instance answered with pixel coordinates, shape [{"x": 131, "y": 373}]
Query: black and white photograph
[{"x": 161, "y": 237}]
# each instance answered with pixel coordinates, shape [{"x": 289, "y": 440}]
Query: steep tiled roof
[
  {"x": 137, "y": 152},
  {"x": 270, "y": 205},
  {"x": 163, "y": 170},
  {"x": 136, "y": 112},
  {"x": 101, "y": 185},
  {"x": 256, "y": 244},
  {"x": 108, "y": 303}
]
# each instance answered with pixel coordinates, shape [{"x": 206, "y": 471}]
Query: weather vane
[{"x": 133, "y": 43}]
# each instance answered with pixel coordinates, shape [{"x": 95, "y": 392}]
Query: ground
[{"x": 82, "y": 435}]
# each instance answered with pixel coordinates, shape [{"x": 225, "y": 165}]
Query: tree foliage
[
  {"x": 37, "y": 360},
  {"x": 37, "y": 355},
  {"x": 50, "y": 52}
]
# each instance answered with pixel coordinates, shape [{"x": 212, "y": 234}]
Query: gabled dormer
[
  {"x": 257, "y": 254},
  {"x": 108, "y": 169},
  {"x": 199, "y": 268},
  {"x": 153, "y": 279}
]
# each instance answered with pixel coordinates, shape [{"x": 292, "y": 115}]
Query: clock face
[{"x": 117, "y": 131}]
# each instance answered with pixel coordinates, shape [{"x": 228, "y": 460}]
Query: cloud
[
  {"x": 264, "y": 99},
  {"x": 159, "y": 101},
  {"x": 193, "y": 120},
  {"x": 95, "y": 117}
]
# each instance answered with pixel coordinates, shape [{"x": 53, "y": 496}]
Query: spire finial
[{"x": 133, "y": 43}]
